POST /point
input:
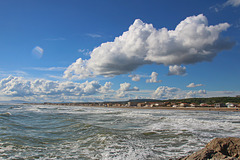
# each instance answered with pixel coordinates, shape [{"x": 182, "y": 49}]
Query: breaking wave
[{"x": 74, "y": 132}]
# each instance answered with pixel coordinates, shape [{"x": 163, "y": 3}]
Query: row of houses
[
  {"x": 180, "y": 104},
  {"x": 149, "y": 104}
]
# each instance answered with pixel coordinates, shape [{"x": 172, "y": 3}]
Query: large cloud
[
  {"x": 192, "y": 41},
  {"x": 20, "y": 87}
]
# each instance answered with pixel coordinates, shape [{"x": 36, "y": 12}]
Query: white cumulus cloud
[
  {"x": 165, "y": 92},
  {"x": 135, "y": 77},
  {"x": 192, "y": 41},
  {"x": 106, "y": 88},
  {"x": 127, "y": 87},
  {"x": 192, "y": 85},
  {"x": 124, "y": 89},
  {"x": 193, "y": 94},
  {"x": 153, "y": 78},
  {"x": 20, "y": 87},
  {"x": 177, "y": 70}
]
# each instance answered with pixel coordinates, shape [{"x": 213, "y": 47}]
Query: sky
[{"x": 105, "y": 50}]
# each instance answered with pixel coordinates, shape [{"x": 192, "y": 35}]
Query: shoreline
[
  {"x": 223, "y": 109},
  {"x": 179, "y": 108}
]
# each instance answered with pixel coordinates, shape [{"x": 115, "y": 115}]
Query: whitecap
[{"x": 6, "y": 114}]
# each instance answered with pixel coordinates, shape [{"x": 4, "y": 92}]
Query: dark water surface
[{"x": 73, "y": 132}]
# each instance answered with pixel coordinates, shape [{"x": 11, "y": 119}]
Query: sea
[{"x": 75, "y": 132}]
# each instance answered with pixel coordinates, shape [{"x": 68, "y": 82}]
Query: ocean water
[{"x": 75, "y": 132}]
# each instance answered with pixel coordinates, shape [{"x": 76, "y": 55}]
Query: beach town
[{"x": 182, "y": 104}]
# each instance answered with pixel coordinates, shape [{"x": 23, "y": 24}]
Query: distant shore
[{"x": 223, "y": 109}]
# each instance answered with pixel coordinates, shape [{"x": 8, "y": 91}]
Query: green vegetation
[
  {"x": 211, "y": 100},
  {"x": 197, "y": 101}
]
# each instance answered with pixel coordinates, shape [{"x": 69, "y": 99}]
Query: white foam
[
  {"x": 123, "y": 133},
  {"x": 191, "y": 124},
  {"x": 5, "y": 148},
  {"x": 6, "y": 114}
]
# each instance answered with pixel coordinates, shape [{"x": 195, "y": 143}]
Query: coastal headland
[{"x": 201, "y": 104}]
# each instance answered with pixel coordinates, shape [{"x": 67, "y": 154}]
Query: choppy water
[{"x": 73, "y": 132}]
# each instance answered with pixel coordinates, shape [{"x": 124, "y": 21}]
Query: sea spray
[{"x": 75, "y": 132}]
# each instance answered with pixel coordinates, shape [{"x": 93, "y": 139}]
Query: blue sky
[{"x": 72, "y": 50}]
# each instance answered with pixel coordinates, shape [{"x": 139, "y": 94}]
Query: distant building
[
  {"x": 218, "y": 105},
  {"x": 132, "y": 104},
  {"x": 141, "y": 104},
  {"x": 193, "y": 105},
  {"x": 184, "y": 105},
  {"x": 118, "y": 104},
  {"x": 204, "y": 105},
  {"x": 153, "y": 104},
  {"x": 230, "y": 105}
]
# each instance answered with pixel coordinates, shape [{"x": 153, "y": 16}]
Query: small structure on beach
[
  {"x": 141, "y": 104},
  {"x": 230, "y": 105},
  {"x": 184, "y": 105},
  {"x": 219, "y": 105},
  {"x": 130, "y": 104}
]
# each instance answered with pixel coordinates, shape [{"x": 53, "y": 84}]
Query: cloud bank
[
  {"x": 192, "y": 41},
  {"x": 20, "y": 87},
  {"x": 41, "y": 90}
]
